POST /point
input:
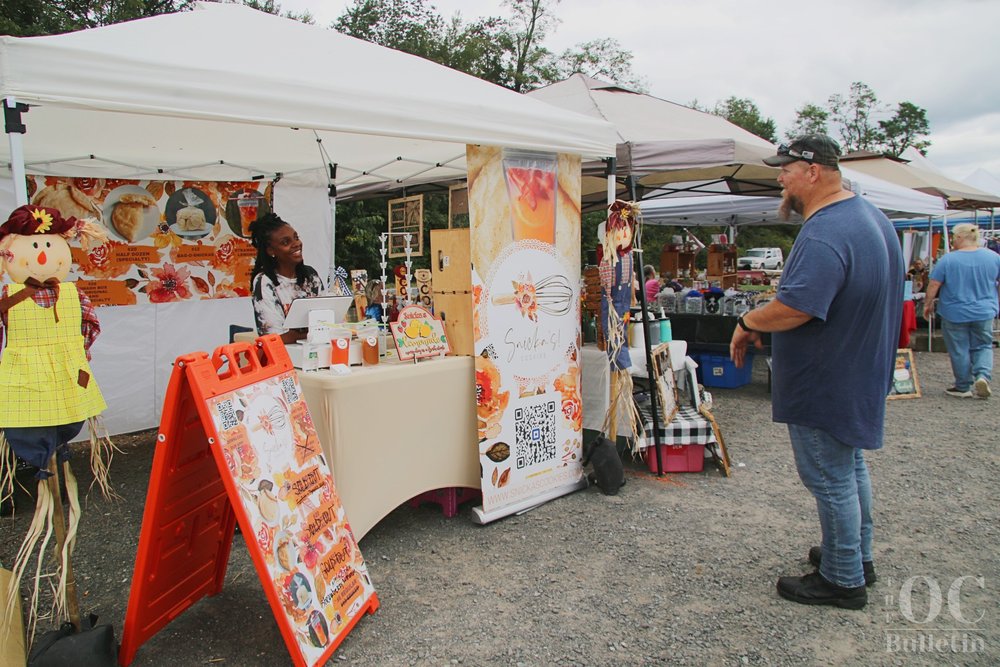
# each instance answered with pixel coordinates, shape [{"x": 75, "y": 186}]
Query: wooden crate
[
  {"x": 451, "y": 260},
  {"x": 455, "y": 310},
  {"x": 722, "y": 265}
]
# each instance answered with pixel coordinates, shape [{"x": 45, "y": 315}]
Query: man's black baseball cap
[{"x": 811, "y": 148}]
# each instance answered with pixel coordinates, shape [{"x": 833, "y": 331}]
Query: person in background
[
  {"x": 917, "y": 274},
  {"x": 964, "y": 282},
  {"x": 668, "y": 281},
  {"x": 834, "y": 327},
  {"x": 652, "y": 284},
  {"x": 373, "y": 293},
  {"x": 279, "y": 276}
]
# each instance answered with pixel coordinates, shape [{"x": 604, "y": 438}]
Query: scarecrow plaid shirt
[{"x": 46, "y": 298}]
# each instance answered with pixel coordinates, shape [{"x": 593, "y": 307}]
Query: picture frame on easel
[
  {"x": 665, "y": 383},
  {"x": 718, "y": 451},
  {"x": 905, "y": 382}
]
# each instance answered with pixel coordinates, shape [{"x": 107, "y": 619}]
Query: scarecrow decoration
[
  {"x": 617, "y": 272},
  {"x": 47, "y": 388}
]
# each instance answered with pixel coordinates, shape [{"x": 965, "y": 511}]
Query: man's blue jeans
[
  {"x": 970, "y": 346},
  {"x": 837, "y": 476}
]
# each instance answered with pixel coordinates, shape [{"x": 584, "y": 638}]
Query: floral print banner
[
  {"x": 525, "y": 219},
  {"x": 300, "y": 530},
  {"x": 167, "y": 240}
]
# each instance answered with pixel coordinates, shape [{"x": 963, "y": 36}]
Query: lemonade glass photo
[
  {"x": 531, "y": 189},
  {"x": 247, "y": 203}
]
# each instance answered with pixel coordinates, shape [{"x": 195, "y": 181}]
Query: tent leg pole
[
  {"x": 15, "y": 128},
  {"x": 333, "y": 239},
  {"x": 648, "y": 348}
]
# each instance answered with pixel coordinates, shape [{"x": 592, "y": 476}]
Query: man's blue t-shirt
[
  {"x": 968, "y": 285},
  {"x": 833, "y": 372}
]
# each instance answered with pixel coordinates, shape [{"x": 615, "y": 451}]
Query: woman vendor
[{"x": 279, "y": 276}]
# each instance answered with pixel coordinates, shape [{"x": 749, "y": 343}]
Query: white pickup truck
[{"x": 761, "y": 258}]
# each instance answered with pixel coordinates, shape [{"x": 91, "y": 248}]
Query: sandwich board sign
[{"x": 237, "y": 444}]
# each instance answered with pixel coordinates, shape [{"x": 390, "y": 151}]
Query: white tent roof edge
[{"x": 128, "y": 95}]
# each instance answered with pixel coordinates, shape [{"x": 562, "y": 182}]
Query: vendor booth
[
  {"x": 174, "y": 133},
  {"x": 250, "y": 97}
]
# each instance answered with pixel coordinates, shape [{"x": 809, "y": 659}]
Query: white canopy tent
[
  {"x": 733, "y": 210},
  {"x": 239, "y": 93},
  {"x": 985, "y": 181},
  {"x": 224, "y": 92}
]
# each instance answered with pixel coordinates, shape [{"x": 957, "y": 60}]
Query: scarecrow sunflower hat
[{"x": 27, "y": 220}]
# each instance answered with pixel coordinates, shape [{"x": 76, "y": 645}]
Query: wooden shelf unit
[
  {"x": 679, "y": 263},
  {"x": 722, "y": 265}
]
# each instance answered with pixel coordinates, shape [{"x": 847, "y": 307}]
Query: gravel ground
[{"x": 674, "y": 570}]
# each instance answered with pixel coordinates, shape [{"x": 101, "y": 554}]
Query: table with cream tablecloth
[{"x": 393, "y": 431}]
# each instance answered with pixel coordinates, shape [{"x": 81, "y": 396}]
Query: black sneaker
[
  {"x": 816, "y": 557},
  {"x": 958, "y": 393},
  {"x": 814, "y": 589}
]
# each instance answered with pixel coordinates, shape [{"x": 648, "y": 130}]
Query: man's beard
[{"x": 789, "y": 203}]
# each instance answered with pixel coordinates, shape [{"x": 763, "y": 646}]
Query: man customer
[
  {"x": 834, "y": 325},
  {"x": 964, "y": 282}
]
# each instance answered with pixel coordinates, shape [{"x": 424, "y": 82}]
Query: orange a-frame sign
[{"x": 236, "y": 442}]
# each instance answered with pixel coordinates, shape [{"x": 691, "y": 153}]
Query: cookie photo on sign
[
  {"x": 190, "y": 213},
  {"x": 131, "y": 213}
]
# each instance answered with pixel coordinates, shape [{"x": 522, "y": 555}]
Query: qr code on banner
[
  {"x": 534, "y": 434},
  {"x": 228, "y": 415},
  {"x": 288, "y": 387}
]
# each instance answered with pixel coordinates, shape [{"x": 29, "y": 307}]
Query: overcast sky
[{"x": 942, "y": 55}]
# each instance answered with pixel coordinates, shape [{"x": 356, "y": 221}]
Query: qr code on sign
[
  {"x": 288, "y": 388},
  {"x": 534, "y": 434},
  {"x": 228, "y": 415}
]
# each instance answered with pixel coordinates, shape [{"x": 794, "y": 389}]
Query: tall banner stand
[
  {"x": 524, "y": 212},
  {"x": 236, "y": 443}
]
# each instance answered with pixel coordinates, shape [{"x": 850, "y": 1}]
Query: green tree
[
  {"x": 744, "y": 112},
  {"x": 272, "y": 7},
  {"x": 482, "y": 48},
  {"x": 855, "y": 117},
  {"x": 27, "y": 18},
  {"x": 907, "y": 127},
  {"x": 809, "y": 119},
  {"x": 530, "y": 22},
  {"x": 360, "y": 223},
  {"x": 602, "y": 59},
  {"x": 405, "y": 25},
  {"x": 864, "y": 124}
]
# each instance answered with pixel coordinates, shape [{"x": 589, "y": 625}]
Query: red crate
[{"x": 677, "y": 458}]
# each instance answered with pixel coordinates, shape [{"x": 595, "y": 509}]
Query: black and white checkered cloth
[{"x": 687, "y": 428}]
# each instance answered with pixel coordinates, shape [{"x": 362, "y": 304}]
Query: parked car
[{"x": 761, "y": 258}]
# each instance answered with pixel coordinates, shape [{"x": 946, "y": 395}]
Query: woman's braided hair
[{"x": 261, "y": 230}]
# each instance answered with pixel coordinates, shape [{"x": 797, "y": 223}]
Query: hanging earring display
[
  {"x": 409, "y": 269},
  {"x": 383, "y": 240}
]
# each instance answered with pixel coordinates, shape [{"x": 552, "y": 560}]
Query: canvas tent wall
[
  {"x": 663, "y": 144},
  {"x": 224, "y": 92}
]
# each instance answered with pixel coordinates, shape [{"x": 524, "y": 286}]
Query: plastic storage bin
[
  {"x": 719, "y": 371},
  {"x": 677, "y": 458}
]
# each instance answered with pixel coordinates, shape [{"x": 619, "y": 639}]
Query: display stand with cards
[{"x": 237, "y": 444}]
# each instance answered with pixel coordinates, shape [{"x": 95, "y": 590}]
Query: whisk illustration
[{"x": 552, "y": 295}]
